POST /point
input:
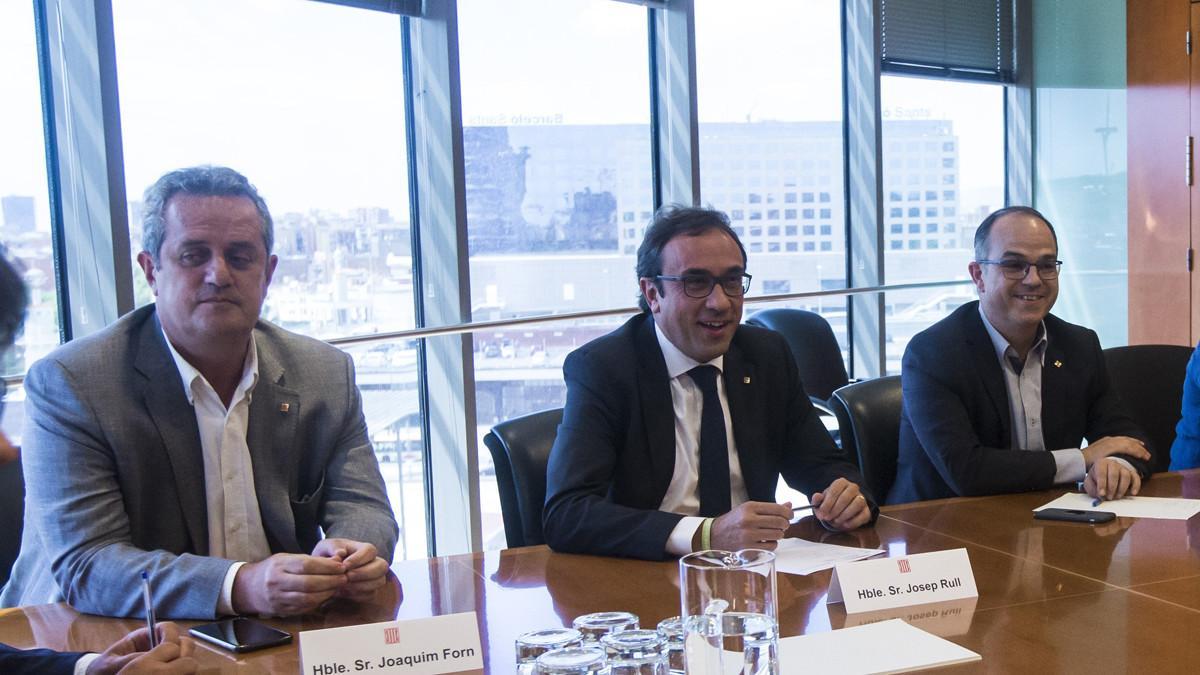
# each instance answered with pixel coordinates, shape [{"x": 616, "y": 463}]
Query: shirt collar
[
  {"x": 189, "y": 374},
  {"x": 1002, "y": 346},
  {"x": 679, "y": 363}
]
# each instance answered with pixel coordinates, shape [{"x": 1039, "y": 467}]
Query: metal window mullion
[
  {"x": 864, "y": 184},
  {"x": 677, "y": 145},
  {"x": 86, "y": 165},
  {"x": 443, "y": 281},
  {"x": 1019, "y": 127}
]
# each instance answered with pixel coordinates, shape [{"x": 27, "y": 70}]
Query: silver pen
[{"x": 149, "y": 609}]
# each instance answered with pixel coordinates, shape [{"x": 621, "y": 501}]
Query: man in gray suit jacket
[{"x": 194, "y": 441}]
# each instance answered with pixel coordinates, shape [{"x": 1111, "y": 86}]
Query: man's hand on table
[
  {"x": 366, "y": 572},
  {"x": 750, "y": 525},
  {"x": 287, "y": 584},
  {"x": 1109, "y": 478},
  {"x": 842, "y": 506},
  {"x": 131, "y": 655}
]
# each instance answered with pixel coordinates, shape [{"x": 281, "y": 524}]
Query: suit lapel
[
  {"x": 271, "y": 433},
  {"x": 658, "y": 413},
  {"x": 983, "y": 353},
  {"x": 175, "y": 419},
  {"x": 1054, "y": 393},
  {"x": 746, "y": 413}
]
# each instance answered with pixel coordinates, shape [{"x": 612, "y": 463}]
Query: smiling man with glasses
[
  {"x": 679, "y": 424},
  {"x": 999, "y": 396}
]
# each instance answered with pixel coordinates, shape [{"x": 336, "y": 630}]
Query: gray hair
[{"x": 202, "y": 181}]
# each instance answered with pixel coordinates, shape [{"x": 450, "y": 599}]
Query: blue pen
[
  {"x": 1096, "y": 502},
  {"x": 149, "y": 609}
]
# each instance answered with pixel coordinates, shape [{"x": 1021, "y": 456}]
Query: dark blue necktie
[{"x": 714, "y": 449}]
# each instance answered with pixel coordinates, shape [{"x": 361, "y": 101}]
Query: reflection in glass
[
  {"x": 24, "y": 201},
  {"x": 943, "y": 172}
]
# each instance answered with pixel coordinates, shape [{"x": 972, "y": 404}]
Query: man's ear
[
  {"x": 650, "y": 292},
  {"x": 147, "y": 265},
  {"x": 976, "y": 271}
]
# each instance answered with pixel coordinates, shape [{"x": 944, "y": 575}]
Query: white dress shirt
[
  {"x": 683, "y": 494},
  {"x": 235, "y": 529}
]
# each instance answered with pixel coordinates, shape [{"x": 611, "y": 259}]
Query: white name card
[
  {"x": 439, "y": 644},
  {"x": 870, "y": 585}
]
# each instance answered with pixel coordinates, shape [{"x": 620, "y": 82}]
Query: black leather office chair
[
  {"x": 1149, "y": 379},
  {"x": 12, "y": 510},
  {"x": 520, "y": 450},
  {"x": 868, "y": 415},
  {"x": 813, "y": 345}
]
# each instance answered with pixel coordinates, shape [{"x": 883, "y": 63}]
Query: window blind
[{"x": 966, "y": 39}]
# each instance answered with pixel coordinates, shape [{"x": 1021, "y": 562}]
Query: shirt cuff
[
  {"x": 84, "y": 661},
  {"x": 1069, "y": 466},
  {"x": 680, "y": 541},
  {"x": 225, "y": 602}
]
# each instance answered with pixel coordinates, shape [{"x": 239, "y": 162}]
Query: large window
[
  {"x": 24, "y": 201},
  {"x": 556, "y": 185},
  {"x": 771, "y": 150},
  {"x": 943, "y": 172},
  {"x": 307, "y": 100},
  {"x": 556, "y": 138}
]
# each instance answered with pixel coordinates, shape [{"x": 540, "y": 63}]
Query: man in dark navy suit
[
  {"x": 999, "y": 395},
  {"x": 679, "y": 424}
]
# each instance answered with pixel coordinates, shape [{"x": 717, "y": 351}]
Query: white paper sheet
[
  {"x": 798, "y": 556},
  {"x": 885, "y": 647},
  {"x": 1130, "y": 507}
]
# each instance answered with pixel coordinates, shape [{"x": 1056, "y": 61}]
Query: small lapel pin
[
  {"x": 1058, "y": 364},
  {"x": 745, "y": 380},
  {"x": 284, "y": 407}
]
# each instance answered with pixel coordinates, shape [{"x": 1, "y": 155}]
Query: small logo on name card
[
  {"x": 903, "y": 565},
  {"x": 391, "y": 636}
]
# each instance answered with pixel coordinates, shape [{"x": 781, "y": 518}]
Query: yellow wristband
[{"x": 706, "y": 534}]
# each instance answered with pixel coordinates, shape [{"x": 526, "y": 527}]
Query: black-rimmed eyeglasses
[
  {"x": 701, "y": 285},
  {"x": 1017, "y": 269}
]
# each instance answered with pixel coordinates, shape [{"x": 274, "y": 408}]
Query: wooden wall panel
[{"x": 1159, "y": 209}]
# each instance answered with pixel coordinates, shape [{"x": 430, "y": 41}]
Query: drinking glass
[
  {"x": 636, "y": 652},
  {"x": 535, "y": 643},
  {"x": 729, "y": 611},
  {"x": 588, "y": 660},
  {"x": 597, "y": 625},
  {"x": 672, "y": 631}
]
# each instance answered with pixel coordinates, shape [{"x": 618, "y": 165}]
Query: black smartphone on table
[
  {"x": 241, "y": 634},
  {"x": 1075, "y": 515}
]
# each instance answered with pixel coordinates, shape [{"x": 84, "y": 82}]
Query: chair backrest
[
  {"x": 520, "y": 450},
  {"x": 1149, "y": 379},
  {"x": 868, "y": 415},
  {"x": 814, "y": 347},
  {"x": 12, "y": 511}
]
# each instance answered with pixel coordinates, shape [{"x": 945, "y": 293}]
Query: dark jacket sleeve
[
  {"x": 579, "y": 516},
  {"x": 37, "y": 661},
  {"x": 943, "y": 402}
]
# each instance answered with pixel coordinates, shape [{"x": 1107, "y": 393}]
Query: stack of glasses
[{"x": 604, "y": 643}]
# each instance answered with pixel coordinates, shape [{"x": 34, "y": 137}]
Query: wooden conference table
[{"x": 1053, "y": 597}]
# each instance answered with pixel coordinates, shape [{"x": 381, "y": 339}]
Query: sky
[{"x": 306, "y": 98}]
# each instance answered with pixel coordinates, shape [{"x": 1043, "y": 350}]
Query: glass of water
[
  {"x": 597, "y": 625},
  {"x": 535, "y": 643},
  {"x": 672, "y": 631},
  {"x": 636, "y": 652},
  {"x": 588, "y": 660},
  {"x": 729, "y": 611}
]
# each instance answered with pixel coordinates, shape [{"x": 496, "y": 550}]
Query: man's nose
[
  {"x": 217, "y": 271},
  {"x": 718, "y": 299}
]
